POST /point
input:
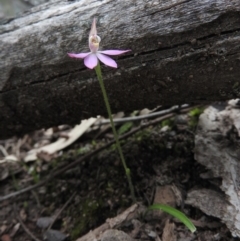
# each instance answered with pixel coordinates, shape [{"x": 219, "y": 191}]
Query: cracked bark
[{"x": 182, "y": 52}]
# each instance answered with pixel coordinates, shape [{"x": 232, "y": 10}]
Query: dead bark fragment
[
  {"x": 129, "y": 214},
  {"x": 217, "y": 147}
]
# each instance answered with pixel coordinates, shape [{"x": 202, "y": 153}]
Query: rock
[
  {"x": 44, "y": 222},
  {"x": 54, "y": 235},
  {"x": 115, "y": 235}
]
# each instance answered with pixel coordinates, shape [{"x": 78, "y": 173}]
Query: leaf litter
[{"x": 160, "y": 158}]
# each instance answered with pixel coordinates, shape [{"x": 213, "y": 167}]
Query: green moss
[
  {"x": 236, "y": 85},
  {"x": 89, "y": 212},
  {"x": 143, "y": 134},
  {"x": 168, "y": 122},
  {"x": 194, "y": 116},
  {"x": 125, "y": 127}
]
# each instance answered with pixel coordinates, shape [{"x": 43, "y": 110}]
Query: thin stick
[
  {"x": 60, "y": 211},
  {"x": 143, "y": 117}
]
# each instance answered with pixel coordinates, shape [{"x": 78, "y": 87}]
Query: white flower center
[{"x": 94, "y": 41}]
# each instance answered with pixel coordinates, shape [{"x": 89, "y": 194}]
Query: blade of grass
[{"x": 175, "y": 213}]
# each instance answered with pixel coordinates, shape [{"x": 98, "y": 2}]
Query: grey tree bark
[{"x": 182, "y": 51}]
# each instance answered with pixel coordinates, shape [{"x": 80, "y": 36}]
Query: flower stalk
[
  {"x": 91, "y": 61},
  {"x": 127, "y": 170}
]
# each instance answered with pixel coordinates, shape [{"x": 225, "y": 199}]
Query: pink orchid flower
[{"x": 91, "y": 58}]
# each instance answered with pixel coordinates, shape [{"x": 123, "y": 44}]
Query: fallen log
[{"x": 182, "y": 51}]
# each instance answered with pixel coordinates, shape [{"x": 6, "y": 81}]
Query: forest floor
[{"x": 81, "y": 197}]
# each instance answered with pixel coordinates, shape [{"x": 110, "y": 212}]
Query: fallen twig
[
  {"x": 143, "y": 117},
  {"x": 60, "y": 211}
]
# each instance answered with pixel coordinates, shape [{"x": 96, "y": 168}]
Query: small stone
[
  {"x": 54, "y": 235},
  {"x": 44, "y": 222},
  {"x": 115, "y": 235},
  {"x": 151, "y": 234}
]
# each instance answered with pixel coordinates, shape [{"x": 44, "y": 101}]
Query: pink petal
[
  {"x": 91, "y": 61},
  {"x": 107, "y": 60},
  {"x": 114, "y": 52},
  {"x": 79, "y": 56}
]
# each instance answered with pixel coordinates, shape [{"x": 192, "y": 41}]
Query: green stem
[{"x": 127, "y": 170}]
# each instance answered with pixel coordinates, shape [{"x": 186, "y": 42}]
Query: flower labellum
[{"x": 91, "y": 58}]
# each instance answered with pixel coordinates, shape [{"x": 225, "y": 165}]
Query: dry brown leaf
[
  {"x": 168, "y": 232},
  {"x": 6, "y": 237}
]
